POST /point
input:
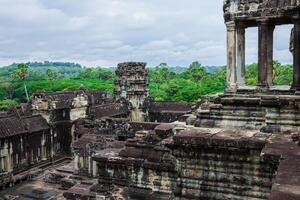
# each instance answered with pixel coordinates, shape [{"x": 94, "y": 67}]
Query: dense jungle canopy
[{"x": 166, "y": 83}]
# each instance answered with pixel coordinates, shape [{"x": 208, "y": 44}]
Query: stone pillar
[
  {"x": 43, "y": 147},
  {"x": 231, "y": 58},
  {"x": 240, "y": 62},
  {"x": 9, "y": 166},
  {"x": 52, "y": 143},
  {"x": 95, "y": 169},
  {"x": 270, "y": 54},
  {"x": 265, "y": 55},
  {"x": 76, "y": 162},
  {"x": 296, "y": 55}
]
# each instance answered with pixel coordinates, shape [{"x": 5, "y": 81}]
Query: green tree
[
  {"x": 155, "y": 77},
  {"x": 197, "y": 71},
  {"x": 105, "y": 74},
  {"x": 251, "y": 74},
  {"x": 7, "y": 90},
  {"x": 282, "y": 74},
  {"x": 164, "y": 73},
  {"x": 21, "y": 73},
  {"x": 5, "y": 104},
  {"x": 87, "y": 73},
  {"x": 51, "y": 74}
]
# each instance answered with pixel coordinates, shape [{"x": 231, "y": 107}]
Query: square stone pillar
[
  {"x": 265, "y": 55},
  {"x": 296, "y": 55},
  {"x": 270, "y": 46},
  {"x": 240, "y": 62},
  {"x": 231, "y": 58}
]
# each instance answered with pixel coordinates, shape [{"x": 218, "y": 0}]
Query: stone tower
[{"x": 132, "y": 85}]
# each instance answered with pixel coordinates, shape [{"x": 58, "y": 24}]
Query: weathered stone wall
[
  {"x": 62, "y": 138},
  {"x": 223, "y": 170},
  {"x": 210, "y": 164},
  {"x": 94, "y": 136},
  {"x": 113, "y": 110},
  {"x": 83, "y": 150},
  {"x": 167, "y": 111},
  {"x": 28, "y": 145},
  {"x": 270, "y": 113},
  {"x": 78, "y": 113},
  {"x": 25, "y": 141},
  {"x": 60, "y": 110}
]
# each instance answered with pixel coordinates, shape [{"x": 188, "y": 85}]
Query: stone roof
[
  {"x": 39, "y": 194},
  {"x": 10, "y": 126},
  {"x": 99, "y": 97},
  {"x": 80, "y": 191},
  {"x": 65, "y": 99},
  {"x": 108, "y": 110},
  {"x": 58, "y": 96},
  {"x": 35, "y": 123},
  {"x": 84, "y": 141},
  {"x": 250, "y": 9},
  {"x": 169, "y": 107},
  {"x": 14, "y": 125},
  {"x": 143, "y": 126},
  {"x": 3, "y": 113},
  {"x": 62, "y": 99},
  {"x": 229, "y": 138},
  {"x": 164, "y": 130},
  {"x": 132, "y": 152}
]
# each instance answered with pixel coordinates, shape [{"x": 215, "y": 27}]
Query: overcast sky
[{"x": 106, "y": 32}]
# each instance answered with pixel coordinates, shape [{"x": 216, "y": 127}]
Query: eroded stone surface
[
  {"x": 132, "y": 85},
  {"x": 269, "y": 112},
  {"x": 196, "y": 163},
  {"x": 257, "y": 9}
]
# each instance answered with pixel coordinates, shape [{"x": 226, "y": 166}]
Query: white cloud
[{"x": 105, "y": 32}]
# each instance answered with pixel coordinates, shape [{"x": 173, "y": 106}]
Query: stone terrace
[{"x": 203, "y": 163}]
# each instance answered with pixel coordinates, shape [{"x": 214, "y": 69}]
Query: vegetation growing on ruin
[{"x": 166, "y": 83}]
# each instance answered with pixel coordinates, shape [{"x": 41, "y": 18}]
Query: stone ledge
[
  {"x": 287, "y": 182},
  {"x": 225, "y": 138}
]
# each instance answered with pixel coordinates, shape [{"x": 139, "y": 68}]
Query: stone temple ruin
[
  {"x": 243, "y": 144},
  {"x": 266, "y": 15}
]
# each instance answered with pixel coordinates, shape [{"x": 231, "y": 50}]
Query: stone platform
[
  {"x": 268, "y": 112},
  {"x": 272, "y": 90},
  {"x": 204, "y": 163}
]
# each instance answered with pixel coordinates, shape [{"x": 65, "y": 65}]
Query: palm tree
[
  {"x": 197, "y": 71},
  {"x": 22, "y": 73}
]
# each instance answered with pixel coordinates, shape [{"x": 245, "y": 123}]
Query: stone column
[
  {"x": 52, "y": 143},
  {"x": 9, "y": 166},
  {"x": 296, "y": 55},
  {"x": 43, "y": 147},
  {"x": 76, "y": 162},
  {"x": 240, "y": 63},
  {"x": 265, "y": 55},
  {"x": 270, "y": 54},
  {"x": 231, "y": 58}
]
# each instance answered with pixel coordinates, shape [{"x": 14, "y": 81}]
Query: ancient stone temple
[
  {"x": 62, "y": 109},
  {"x": 266, "y": 15},
  {"x": 266, "y": 107},
  {"x": 243, "y": 144},
  {"x": 132, "y": 85}
]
